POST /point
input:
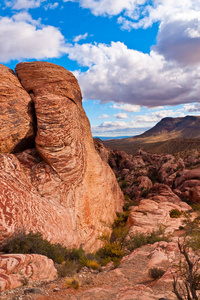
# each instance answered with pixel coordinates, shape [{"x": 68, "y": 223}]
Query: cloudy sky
[{"x": 137, "y": 61}]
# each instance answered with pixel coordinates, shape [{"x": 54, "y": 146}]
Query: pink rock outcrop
[
  {"x": 62, "y": 188},
  {"x": 188, "y": 185},
  {"x": 18, "y": 269},
  {"x": 149, "y": 215},
  {"x": 187, "y": 175},
  {"x": 15, "y": 112}
]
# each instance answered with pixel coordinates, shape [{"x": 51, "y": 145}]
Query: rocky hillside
[
  {"x": 170, "y": 135},
  {"x": 51, "y": 178},
  {"x": 155, "y": 179},
  {"x": 162, "y": 197},
  {"x": 167, "y": 128}
]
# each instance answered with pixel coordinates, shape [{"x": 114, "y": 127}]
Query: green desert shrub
[
  {"x": 28, "y": 243},
  {"x": 110, "y": 252},
  {"x": 120, "y": 220},
  {"x": 93, "y": 264},
  {"x": 192, "y": 233},
  {"x": 128, "y": 204},
  {"x": 72, "y": 283},
  {"x": 119, "y": 228},
  {"x": 123, "y": 184},
  {"x": 140, "y": 239},
  {"x": 175, "y": 213},
  {"x": 67, "y": 268},
  {"x": 196, "y": 207}
]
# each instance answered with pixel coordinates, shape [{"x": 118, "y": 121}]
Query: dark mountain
[
  {"x": 187, "y": 127},
  {"x": 170, "y": 135}
]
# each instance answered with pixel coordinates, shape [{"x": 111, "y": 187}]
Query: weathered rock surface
[
  {"x": 15, "y": 107},
  {"x": 187, "y": 175},
  {"x": 156, "y": 184},
  {"x": 103, "y": 152},
  {"x": 130, "y": 281},
  {"x": 62, "y": 188},
  {"x": 19, "y": 269},
  {"x": 175, "y": 178},
  {"x": 149, "y": 215}
]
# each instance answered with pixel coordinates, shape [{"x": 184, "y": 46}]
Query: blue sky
[{"x": 137, "y": 61}]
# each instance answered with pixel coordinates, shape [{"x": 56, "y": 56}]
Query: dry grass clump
[
  {"x": 93, "y": 264},
  {"x": 175, "y": 213},
  {"x": 72, "y": 282}
]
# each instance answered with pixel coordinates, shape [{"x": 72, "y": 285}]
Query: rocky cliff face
[
  {"x": 52, "y": 179},
  {"x": 15, "y": 112}
]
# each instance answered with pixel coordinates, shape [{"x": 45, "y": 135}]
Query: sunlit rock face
[
  {"x": 60, "y": 187},
  {"x": 16, "y": 123}
]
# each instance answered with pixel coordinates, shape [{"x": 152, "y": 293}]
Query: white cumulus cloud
[
  {"x": 191, "y": 108},
  {"x": 109, "y": 7},
  {"x": 80, "y": 37},
  {"x": 51, "y": 5},
  {"x": 21, "y": 37},
  {"x": 24, "y": 4},
  {"x": 127, "y": 107},
  {"x": 104, "y": 116},
  {"x": 179, "y": 30},
  {"x": 181, "y": 44},
  {"x": 157, "y": 116},
  {"x": 121, "y": 116},
  {"x": 116, "y": 73},
  {"x": 136, "y": 126}
]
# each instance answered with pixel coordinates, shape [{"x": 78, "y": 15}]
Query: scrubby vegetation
[
  {"x": 110, "y": 252},
  {"x": 73, "y": 283},
  {"x": 175, "y": 213},
  {"x": 20, "y": 242},
  {"x": 186, "y": 279},
  {"x": 67, "y": 261},
  {"x": 139, "y": 239}
]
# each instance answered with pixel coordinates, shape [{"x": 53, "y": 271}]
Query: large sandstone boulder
[
  {"x": 18, "y": 269},
  {"x": 187, "y": 175},
  {"x": 16, "y": 126},
  {"x": 149, "y": 215},
  {"x": 62, "y": 188}
]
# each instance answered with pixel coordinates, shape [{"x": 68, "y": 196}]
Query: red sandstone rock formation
[
  {"x": 62, "y": 188},
  {"x": 149, "y": 215},
  {"x": 15, "y": 109},
  {"x": 17, "y": 269}
]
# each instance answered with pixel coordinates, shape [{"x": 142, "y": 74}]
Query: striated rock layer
[
  {"x": 15, "y": 108},
  {"x": 62, "y": 188},
  {"x": 18, "y": 269}
]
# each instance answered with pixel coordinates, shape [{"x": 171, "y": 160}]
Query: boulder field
[
  {"x": 52, "y": 180},
  {"x": 155, "y": 185}
]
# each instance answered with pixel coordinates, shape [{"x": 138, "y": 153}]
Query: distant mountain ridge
[
  {"x": 186, "y": 127},
  {"x": 170, "y": 135}
]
